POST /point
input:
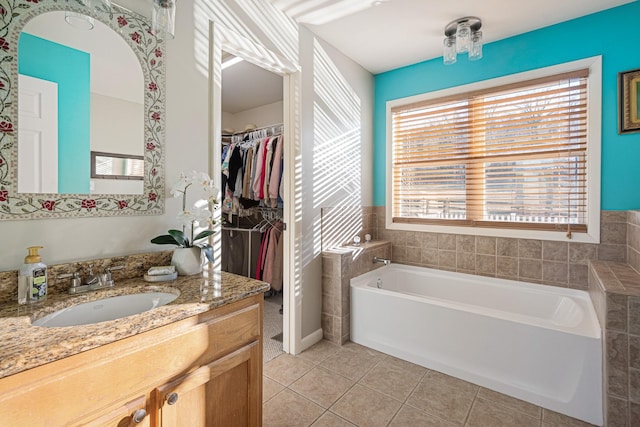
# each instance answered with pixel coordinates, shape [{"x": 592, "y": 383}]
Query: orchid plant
[{"x": 199, "y": 214}]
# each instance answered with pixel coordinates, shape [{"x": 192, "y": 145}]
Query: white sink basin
[{"x": 106, "y": 309}]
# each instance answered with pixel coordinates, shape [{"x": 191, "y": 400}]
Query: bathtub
[{"x": 541, "y": 344}]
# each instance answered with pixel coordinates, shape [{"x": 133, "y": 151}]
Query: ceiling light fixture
[
  {"x": 163, "y": 17},
  {"x": 462, "y": 35}
]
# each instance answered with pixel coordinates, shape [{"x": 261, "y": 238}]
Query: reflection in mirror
[
  {"x": 102, "y": 124},
  {"x": 96, "y": 83},
  {"x": 116, "y": 173}
]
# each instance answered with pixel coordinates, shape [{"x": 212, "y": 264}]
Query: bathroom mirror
[{"x": 141, "y": 53}]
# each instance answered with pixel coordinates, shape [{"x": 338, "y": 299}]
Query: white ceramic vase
[{"x": 188, "y": 261}]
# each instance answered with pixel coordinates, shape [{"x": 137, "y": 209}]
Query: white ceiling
[
  {"x": 386, "y": 34},
  {"x": 246, "y": 86},
  {"x": 382, "y": 35}
]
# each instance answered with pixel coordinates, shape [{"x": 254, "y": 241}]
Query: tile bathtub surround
[
  {"x": 134, "y": 266},
  {"x": 339, "y": 265},
  {"x": 633, "y": 239},
  {"x": 352, "y": 385},
  {"x": 615, "y": 292},
  {"x": 341, "y": 224},
  {"x": 548, "y": 262}
]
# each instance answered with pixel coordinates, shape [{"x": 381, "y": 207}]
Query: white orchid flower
[
  {"x": 202, "y": 217},
  {"x": 186, "y": 217},
  {"x": 180, "y": 187}
]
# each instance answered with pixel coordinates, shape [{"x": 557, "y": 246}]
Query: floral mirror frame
[{"x": 150, "y": 51}]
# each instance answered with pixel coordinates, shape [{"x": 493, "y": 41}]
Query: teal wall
[
  {"x": 612, "y": 33},
  {"x": 70, "y": 69}
]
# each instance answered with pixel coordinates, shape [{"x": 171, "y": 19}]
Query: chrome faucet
[
  {"x": 381, "y": 260},
  {"x": 93, "y": 282}
]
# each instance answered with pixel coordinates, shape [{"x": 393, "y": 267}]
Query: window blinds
[{"x": 511, "y": 156}]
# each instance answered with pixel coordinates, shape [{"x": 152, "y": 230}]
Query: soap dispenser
[{"x": 32, "y": 278}]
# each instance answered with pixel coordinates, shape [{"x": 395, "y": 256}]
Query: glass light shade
[
  {"x": 463, "y": 37},
  {"x": 475, "y": 49},
  {"x": 449, "y": 52},
  {"x": 78, "y": 20},
  {"x": 163, "y": 17}
]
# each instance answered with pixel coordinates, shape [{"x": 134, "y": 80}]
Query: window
[
  {"x": 116, "y": 166},
  {"x": 510, "y": 156}
]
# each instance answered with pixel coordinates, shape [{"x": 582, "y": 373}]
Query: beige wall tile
[
  {"x": 447, "y": 242},
  {"x": 634, "y": 414},
  {"x": 429, "y": 240},
  {"x": 617, "y": 363},
  {"x": 616, "y": 412},
  {"x": 507, "y": 247},
  {"x": 507, "y": 267},
  {"x": 613, "y": 216},
  {"x": 578, "y": 276},
  {"x": 614, "y": 233},
  {"x": 429, "y": 257},
  {"x": 530, "y": 269},
  {"x": 581, "y": 253},
  {"x": 556, "y": 272},
  {"x": 447, "y": 259},
  {"x": 414, "y": 254},
  {"x": 399, "y": 253},
  {"x": 616, "y": 312},
  {"x": 555, "y": 251},
  {"x": 608, "y": 252},
  {"x": 466, "y": 261},
  {"x": 486, "y": 245},
  {"x": 486, "y": 264},
  {"x": 414, "y": 239},
  {"x": 633, "y": 309},
  {"x": 332, "y": 304},
  {"x": 465, "y": 243},
  {"x": 528, "y": 248},
  {"x": 634, "y": 385},
  {"x": 633, "y": 217}
]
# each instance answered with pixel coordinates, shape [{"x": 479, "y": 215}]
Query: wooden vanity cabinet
[{"x": 205, "y": 371}]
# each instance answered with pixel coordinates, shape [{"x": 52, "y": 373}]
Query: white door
[{"x": 37, "y": 135}]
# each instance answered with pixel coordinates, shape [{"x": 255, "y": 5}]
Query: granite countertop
[{"x": 24, "y": 346}]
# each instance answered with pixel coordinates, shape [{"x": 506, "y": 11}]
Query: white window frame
[{"x": 594, "y": 136}]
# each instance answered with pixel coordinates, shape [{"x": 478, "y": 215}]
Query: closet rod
[
  {"x": 238, "y": 229},
  {"x": 262, "y": 127}
]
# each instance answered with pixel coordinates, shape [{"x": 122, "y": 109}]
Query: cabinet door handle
[
  {"x": 172, "y": 398},
  {"x": 139, "y": 415}
]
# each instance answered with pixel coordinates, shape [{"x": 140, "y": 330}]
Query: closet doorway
[
  {"x": 253, "y": 105},
  {"x": 253, "y": 202}
]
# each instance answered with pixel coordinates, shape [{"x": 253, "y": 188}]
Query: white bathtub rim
[{"x": 589, "y": 327}]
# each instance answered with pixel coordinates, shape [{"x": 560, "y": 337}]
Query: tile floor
[{"x": 352, "y": 385}]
